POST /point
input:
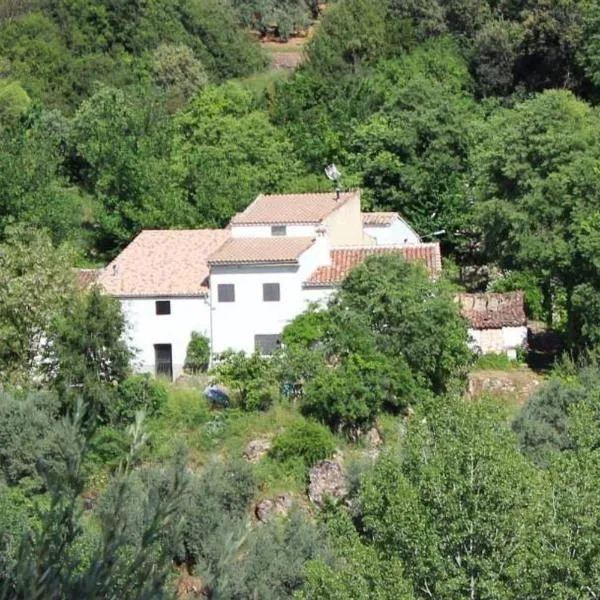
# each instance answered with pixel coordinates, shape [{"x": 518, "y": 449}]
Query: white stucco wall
[
  {"x": 398, "y": 232},
  {"x": 263, "y": 231},
  {"x": 146, "y": 328},
  {"x": 234, "y": 324},
  {"x": 319, "y": 295},
  {"x": 498, "y": 340}
]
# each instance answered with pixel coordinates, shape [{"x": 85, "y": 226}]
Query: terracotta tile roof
[
  {"x": 291, "y": 209},
  {"x": 345, "y": 259},
  {"x": 493, "y": 311},
  {"x": 379, "y": 218},
  {"x": 86, "y": 278},
  {"x": 163, "y": 263},
  {"x": 261, "y": 250}
]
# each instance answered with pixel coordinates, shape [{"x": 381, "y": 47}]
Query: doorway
[{"x": 163, "y": 360}]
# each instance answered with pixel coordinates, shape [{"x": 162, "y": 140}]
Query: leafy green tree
[
  {"x": 544, "y": 424},
  {"x": 250, "y": 377},
  {"x": 228, "y": 152},
  {"x": 59, "y": 558},
  {"x": 410, "y": 316},
  {"x": 446, "y": 506},
  {"x": 27, "y": 435},
  {"x": 412, "y": 154},
  {"x": 177, "y": 72},
  {"x": 537, "y": 187},
  {"x": 304, "y": 440},
  {"x": 122, "y": 158},
  {"x": 358, "y": 571},
  {"x": 36, "y": 283},
  {"x": 351, "y": 35},
  {"x": 87, "y": 355},
  {"x": 197, "y": 356}
]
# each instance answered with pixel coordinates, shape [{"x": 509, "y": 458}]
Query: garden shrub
[
  {"x": 197, "y": 357},
  {"x": 308, "y": 440},
  {"x": 251, "y": 379},
  {"x": 140, "y": 392},
  {"x": 186, "y": 407},
  {"x": 27, "y": 432}
]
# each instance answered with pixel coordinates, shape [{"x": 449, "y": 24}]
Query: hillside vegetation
[{"x": 475, "y": 117}]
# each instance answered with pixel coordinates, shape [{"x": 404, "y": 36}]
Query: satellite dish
[{"x": 332, "y": 172}]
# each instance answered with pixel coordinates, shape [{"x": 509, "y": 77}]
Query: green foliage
[
  {"x": 527, "y": 282},
  {"x": 250, "y": 378},
  {"x": 62, "y": 558},
  {"x": 306, "y": 330},
  {"x": 304, "y": 440},
  {"x": 544, "y": 425},
  {"x": 496, "y": 361},
  {"x": 198, "y": 353},
  {"x": 411, "y": 316},
  {"x": 35, "y": 284},
  {"x": 228, "y": 152},
  {"x": 283, "y": 16},
  {"x": 186, "y": 407},
  {"x": 140, "y": 392},
  {"x": 27, "y": 435},
  {"x": 88, "y": 355},
  {"x": 447, "y": 505}
]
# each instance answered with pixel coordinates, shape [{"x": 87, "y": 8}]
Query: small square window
[
  {"x": 278, "y": 230},
  {"x": 271, "y": 292},
  {"x": 163, "y": 307},
  {"x": 226, "y": 292}
]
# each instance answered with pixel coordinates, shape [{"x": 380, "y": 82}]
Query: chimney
[
  {"x": 115, "y": 270},
  {"x": 337, "y": 194}
]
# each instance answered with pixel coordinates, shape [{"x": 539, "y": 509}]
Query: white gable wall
[
  {"x": 264, "y": 231},
  {"x": 397, "y": 232},
  {"x": 146, "y": 328}
]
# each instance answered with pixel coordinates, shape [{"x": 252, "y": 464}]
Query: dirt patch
[{"x": 517, "y": 384}]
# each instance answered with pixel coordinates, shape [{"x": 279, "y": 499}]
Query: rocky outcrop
[
  {"x": 256, "y": 449},
  {"x": 327, "y": 479},
  {"x": 273, "y": 507}
]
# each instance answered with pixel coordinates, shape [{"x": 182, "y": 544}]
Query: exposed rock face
[
  {"x": 373, "y": 442},
  {"x": 326, "y": 479},
  {"x": 272, "y": 507},
  {"x": 256, "y": 449}
]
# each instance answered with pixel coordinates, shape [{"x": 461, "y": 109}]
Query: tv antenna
[{"x": 334, "y": 175}]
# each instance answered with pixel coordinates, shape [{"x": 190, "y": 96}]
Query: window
[
  {"x": 226, "y": 292},
  {"x": 163, "y": 307},
  {"x": 271, "y": 292},
  {"x": 266, "y": 344},
  {"x": 278, "y": 230},
  {"x": 163, "y": 361}
]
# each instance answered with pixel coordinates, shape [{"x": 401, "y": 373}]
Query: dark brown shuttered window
[
  {"x": 271, "y": 292},
  {"x": 163, "y": 307},
  {"x": 226, "y": 292}
]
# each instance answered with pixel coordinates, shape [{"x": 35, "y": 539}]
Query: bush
[
  {"x": 197, "y": 357},
  {"x": 251, "y": 379},
  {"x": 498, "y": 361},
  {"x": 140, "y": 392},
  {"x": 307, "y": 440},
  {"x": 27, "y": 433},
  {"x": 186, "y": 407}
]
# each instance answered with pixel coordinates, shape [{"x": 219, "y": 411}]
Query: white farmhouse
[
  {"x": 241, "y": 286},
  {"x": 161, "y": 280},
  {"x": 497, "y": 322}
]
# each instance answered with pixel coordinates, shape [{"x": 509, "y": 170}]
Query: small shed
[{"x": 497, "y": 321}]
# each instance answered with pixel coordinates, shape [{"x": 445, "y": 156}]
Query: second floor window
[
  {"x": 163, "y": 307},
  {"x": 271, "y": 292},
  {"x": 278, "y": 230},
  {"x": 226, "y": 292}
]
